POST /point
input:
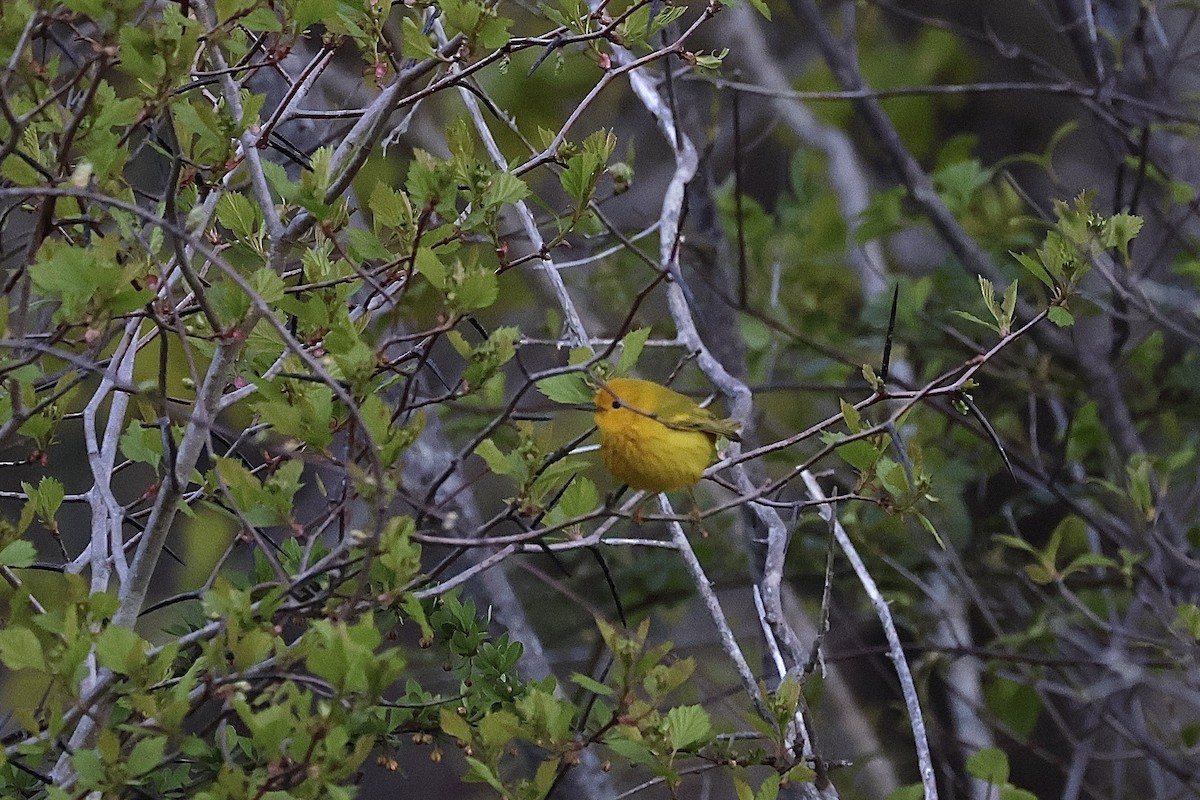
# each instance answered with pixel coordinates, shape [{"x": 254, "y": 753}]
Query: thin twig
[{"x": 908, "y": 688}]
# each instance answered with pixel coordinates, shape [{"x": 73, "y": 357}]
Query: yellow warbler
[{"x": 654, "y": 438}]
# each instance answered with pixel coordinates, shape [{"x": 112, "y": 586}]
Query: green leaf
[
  {"x": 398, "y": 553},
  {"x": 801, "y": 773},
  {"x": 497, "y": 462},
  {"x": 852, "y": 416},
  {"x": 364, "y": 245},
  {"x": 570, "y": 388},
  {"x": 1140, "y": 474},
  {"x": 267, "y": 285},
  {"x": 958, "y": 183},
  {"x": 498, "y": 728},
  {"x": 988, "y": 291},
  {"x": 43, "y": 503},
  {"x": 1017, "y": 705},
  {"x": 1041, "y": 574},
  {"x": 1190, "y": 734},
  {"x": 261, "y": 19},
  {"x": 1060, "y": 316},
  {"x": 873, "y": 380},
  {"x": 88, "y": 766},
  {"x": 298, "y": 409},
  {"x": 892, "y": 477},
  {"x": 28, "y": 511},
  {"x": 860, "y": 453},
  {"x": 489, "y": 356},
  {"x": 76, "y": 276},
  {"x": 761, "y": 7},
  {"x": 504, "y": 187},
  {"x": 547, "y": 773},
  {"x": 19, "y": 554},
  {"x": 229, "y": 301},
  {"x": 1035, "y": 268},
  {"x": 47, "y": 498},
  {"x": 1017, "y": 543},
  {"x": 580, "y": 176},
  {"x": 430, "y": 182},
  {"x": 579, "y": 498},
  {"x": 975, "y": 319},
  {"x": 930, "y": 529},
  {"x": 20, "y": 649},
  {"x": 688, "y": 726},
  {"x": 390, "y": 207},
  {"x": 482, "y": 772},
  {"x": 139, "y": 54},
  {"x": 460, "y": 344},
  {"x": 769, "y": 788},
  {"x": 306, "y": 12},
  {"x": 989, "y": 764},
  {"x": 558, "y": 18},
  {"x": 1008, "y": 308},
  {"x": 492, "y": 31},
  {"x": 633, "y": 751},
  {"x": 142, "y": 444},
  {"x": 236, "y": 212},
  {"x": 120, "y": 649},
  {"x": 591, "y": 684},
  {"x": 711, "y": 61},
  {"x": 146, "y": 755},
  {"x": 248, "y": 493},
  {"x": 632, "y": 345},
  {"x": 1086, "y": 561},
  {"x": 416, "y": 44},
  {"x": 1187, "y": 619},
  {"x": 1087, "y": 434},
  {"x": 637, "y": 28},
  {"x": 478, "y": 289},
  {"x": 1119, "y": 231},
  {"x": 277, "y": 177}
]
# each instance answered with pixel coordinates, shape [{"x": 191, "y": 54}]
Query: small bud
[{"x": 82, "y": 175}]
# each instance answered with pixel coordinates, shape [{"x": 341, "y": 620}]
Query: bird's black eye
[{"x": 616, "y": 403}]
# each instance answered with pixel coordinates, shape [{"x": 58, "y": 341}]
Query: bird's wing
[{"x": 682, "y": 413}]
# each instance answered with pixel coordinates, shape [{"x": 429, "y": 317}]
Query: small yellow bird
[{"x": 656, "y": 439}]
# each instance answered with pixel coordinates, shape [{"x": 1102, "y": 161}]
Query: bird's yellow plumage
[{"x": 656, "y": 439}]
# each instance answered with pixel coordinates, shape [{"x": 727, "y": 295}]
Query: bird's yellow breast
[{"x": 650, "y": 456}]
